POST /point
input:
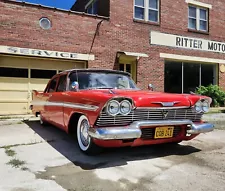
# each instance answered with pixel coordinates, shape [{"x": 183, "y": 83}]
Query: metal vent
[{"x": 45, "y": 23}]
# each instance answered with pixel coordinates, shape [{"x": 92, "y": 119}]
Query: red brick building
[{"x": 175, "y": 45}]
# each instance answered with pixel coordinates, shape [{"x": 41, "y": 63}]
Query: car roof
[{"x": 95, "y": 70}]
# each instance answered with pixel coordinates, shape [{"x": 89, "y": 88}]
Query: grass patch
[
  {"x": 16, "y": 163},
  {"x": 10, "y": 152},
  {"x": 24, "y": 168}
]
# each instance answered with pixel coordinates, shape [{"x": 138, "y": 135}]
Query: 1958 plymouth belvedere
[{"x": 104, "y": 108}]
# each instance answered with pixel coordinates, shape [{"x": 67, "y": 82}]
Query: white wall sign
[
  {"x": 164, "y": 39},
  {"x": 45, "y": 53}
]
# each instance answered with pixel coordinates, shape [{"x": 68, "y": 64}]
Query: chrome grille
[
  {"x": 148, "y": 133},
  {"x": 147, "y": 114}
]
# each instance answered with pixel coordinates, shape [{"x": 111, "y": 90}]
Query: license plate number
[{"x": 163, "y": 132}]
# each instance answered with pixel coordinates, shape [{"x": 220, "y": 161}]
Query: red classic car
[{"x": 104, "y": 108}]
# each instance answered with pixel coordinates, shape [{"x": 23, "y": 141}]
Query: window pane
[
  {"x": 173, "y": 77},
  {"x": 192, "y": 12},
  {"x": 139, "y": 13},
  {"x": 153, "y": 4},
  {"x": 95, "y": 8},
  {"x": 139, "y": 3},
  {"x": 128, "y": 68},
  {"x": 203, "y": 25},
  {"x": 42, "y": 74},
  {"x": 153, "y": 16},
  {"x": 192, "y": 24},
  {"x": 191, "y": 77},
  {"x": 122, "y": 67},
  {"x": 52, "y": 85},
  {"x": 203, "y": 14},
  {"x": 13, "y": 72},
  {"x": 62, "y": 84},
  {"x": 207, "y": 76}
]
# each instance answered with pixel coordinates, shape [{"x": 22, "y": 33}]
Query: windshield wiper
[{"x": 101, "y": 88}]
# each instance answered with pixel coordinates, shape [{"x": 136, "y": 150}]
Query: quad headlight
[
  {"x": 205, "y": 106},
  {"x": 202, "y": 106},
  {"x": 114, "y": 107},
  {"x": 125, "y": 107}
]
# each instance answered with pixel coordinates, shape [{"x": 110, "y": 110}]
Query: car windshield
[{"x": 100, "y": 80}]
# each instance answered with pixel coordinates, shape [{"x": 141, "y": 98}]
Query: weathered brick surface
[{"x": 19, "y": 26}]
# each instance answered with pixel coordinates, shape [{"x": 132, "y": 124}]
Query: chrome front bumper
[{"x": 133, "y": 131}]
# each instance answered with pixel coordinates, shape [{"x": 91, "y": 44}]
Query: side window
[
  {"x": 52, "y": 85},
  {"x": 62, "y": 84}
]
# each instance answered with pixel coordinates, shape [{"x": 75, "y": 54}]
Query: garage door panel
[
  {"x": 13, "y": 84},
  {"x": 14, "y": 62},
  {"x": 20, "y": 75},
  {"x": 13, "y": 108},
  {"x": 13, "y": 95},
  {"x": 38, "y": 84}
]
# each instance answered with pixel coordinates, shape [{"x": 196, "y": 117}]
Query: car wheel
[
  {"x": 85, "y": 142},
  {"x": 42, "y": 121}
]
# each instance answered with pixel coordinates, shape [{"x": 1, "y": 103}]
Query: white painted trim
[
  {"x": 191, "y": 58},
  {"x": 135, "y": 54},
  {"x": 200, "y": 4},
  {"x": 45, "y": 53}
]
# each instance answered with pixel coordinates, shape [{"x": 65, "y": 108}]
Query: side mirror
[
  {"x": 74, "y": 86},
  {"x": 150, "y": 87}
]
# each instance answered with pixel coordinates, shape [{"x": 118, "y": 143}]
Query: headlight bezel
[
  {"x": 130, "y": 107},
  {"x": 208, "y": 106},
  {"x": 120, "y": 101},
  {"x": 203, "y": 105},
  {"x": 108, "y": 105}
]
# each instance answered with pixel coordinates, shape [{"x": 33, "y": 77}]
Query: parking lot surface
[{"x": 33, "y": 158}]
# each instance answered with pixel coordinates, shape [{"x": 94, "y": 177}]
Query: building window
[
  {"x": 93, "y": 8},
  {"x": 177, "y": 76},
  {"x": 198, "y": 18},
  {"x": 147, "y": 10},
  {"x": 42, "y": 74},
  {"x": 13, "y": 72}
]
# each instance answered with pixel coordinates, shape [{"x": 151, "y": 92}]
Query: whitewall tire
[{"x": 84, "y": 141}]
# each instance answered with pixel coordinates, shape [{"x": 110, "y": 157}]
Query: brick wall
[{"x": 19, "y": 26}]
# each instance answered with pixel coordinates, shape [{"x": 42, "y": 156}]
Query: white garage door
[{"x": 19, "y": 76}]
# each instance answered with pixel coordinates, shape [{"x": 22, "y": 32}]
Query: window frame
[
  {"x": 146, "y": 11},
  {"x": 198, "y": 19}
]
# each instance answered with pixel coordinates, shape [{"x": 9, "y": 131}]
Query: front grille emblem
[
  {"x": 165, "y": 114},
  {"x": 167, "y": 104}
]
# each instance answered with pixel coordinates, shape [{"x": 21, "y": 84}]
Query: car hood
[
  {"x": 155, "y": 99},
  {"x": 143, "y": 98}
]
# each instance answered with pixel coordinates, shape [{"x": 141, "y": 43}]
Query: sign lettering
[
  {"x": 45, "y": 53},
  {"x": 158, "y": 38}
]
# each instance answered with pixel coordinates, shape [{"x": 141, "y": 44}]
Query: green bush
[{"x": 213, "y": 91}]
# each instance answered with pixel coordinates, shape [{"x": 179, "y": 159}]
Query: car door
[{"x": 57, "y": 100}]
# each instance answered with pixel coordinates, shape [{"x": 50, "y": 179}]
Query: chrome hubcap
[{"x": 84, "y": 133}]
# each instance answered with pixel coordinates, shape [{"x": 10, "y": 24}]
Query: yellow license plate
[{"x": 163, "y": 132}]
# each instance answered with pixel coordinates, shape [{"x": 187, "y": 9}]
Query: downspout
[{"x": 96, "y": 33}]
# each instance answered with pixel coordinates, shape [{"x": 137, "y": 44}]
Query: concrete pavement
[{"x": 48, "y": 159}]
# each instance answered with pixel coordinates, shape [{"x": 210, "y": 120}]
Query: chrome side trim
[
  {"x": 180, "y": 107},
  {"x": 66, "y": 105},
  {"x": 133, "y": 131}
]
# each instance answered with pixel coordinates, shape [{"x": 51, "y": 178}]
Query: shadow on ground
[{"x": 67, "y": 146}]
